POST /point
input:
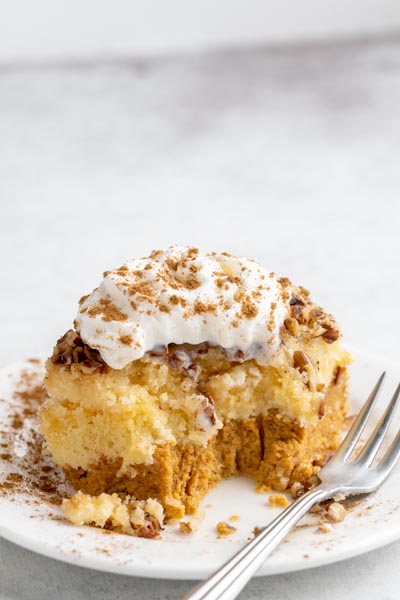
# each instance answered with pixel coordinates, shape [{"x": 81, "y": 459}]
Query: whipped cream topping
[{"x": 182, "y": 295}]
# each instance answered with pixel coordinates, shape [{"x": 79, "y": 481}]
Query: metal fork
[{"x": 344, "y": 474}]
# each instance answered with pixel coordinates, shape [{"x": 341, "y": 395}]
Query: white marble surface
[
  {"x": 60, "y": 29},
  {"x": 290, "y": 156}
]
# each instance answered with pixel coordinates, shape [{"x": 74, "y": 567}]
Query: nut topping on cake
[{"x": 70, "y": 349}]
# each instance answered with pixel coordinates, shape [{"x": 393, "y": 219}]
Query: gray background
[{"x": 286, "y": 155}]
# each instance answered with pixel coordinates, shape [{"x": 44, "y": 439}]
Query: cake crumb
[
  {"x": 338, "y": 497},
  {"x": 297, "y": 489},
  {"x": 278, "y": 500},
  {"x": 193, "y": 525},
  {"x": 139, "y": 518},
  {"x": 325, "y": 528},
  {"x": 223, "y": 528},
  {"x": 336, "y": 512},
  {"x": 234, "y": 518},
  {"x": 317, "y": 508},
  {"x": 185, "y": 527}
]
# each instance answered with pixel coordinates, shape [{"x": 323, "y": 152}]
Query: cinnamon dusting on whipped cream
[{"x": 182, "y": 295}]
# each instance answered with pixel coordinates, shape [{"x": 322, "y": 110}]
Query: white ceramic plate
[{"x": 371, "y": 523}]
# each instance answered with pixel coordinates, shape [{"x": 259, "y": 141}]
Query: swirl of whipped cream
[{"x": 182, "y": 295}]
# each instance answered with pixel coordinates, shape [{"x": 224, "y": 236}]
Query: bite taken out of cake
[{"x": 184, "y": 368}]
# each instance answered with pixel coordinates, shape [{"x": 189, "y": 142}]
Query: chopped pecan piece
[
  {"x": 336, "y": 512},
  {"x": 183, "y": 360},
  {"x": 314, "y": 315},
  {"x": 297, "y": 489},
  {"x": 292, "y": 326},
  {"x": 331, "y": 334},
  {"x": 297, "y": 312},
  {"x": 300, "y": 360},
  {"x": 239, "y": 355},
  {"x": 206, "y": 416},
  {"x": 295, "y": 300},
  {"x": 145, "y": 531},
  {"x": 151, "y": 529}
]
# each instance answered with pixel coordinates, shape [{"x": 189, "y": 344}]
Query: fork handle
[{"x": 230, "y": 579}]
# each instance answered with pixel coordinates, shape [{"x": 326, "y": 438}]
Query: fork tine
[
  {"x": 390, "y": 459},
  {"x": 355, "y": 431},
  {"x": 371, "y": 448}
]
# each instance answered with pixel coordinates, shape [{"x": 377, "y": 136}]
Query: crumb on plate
[
  {"x": 223, "y": 528},
  {"x": 185, "y": 527},
  {"x": 140, "y": 518},
  {"x": 325, "y": 528},
  {"x": 336, "y": 512},
  {"x": 278, "y": 500}
]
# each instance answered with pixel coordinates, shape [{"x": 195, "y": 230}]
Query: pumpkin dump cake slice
[{"x": 184, "y": 368}]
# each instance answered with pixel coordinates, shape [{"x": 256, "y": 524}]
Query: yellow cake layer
[{"x": 126, "y": 414}]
